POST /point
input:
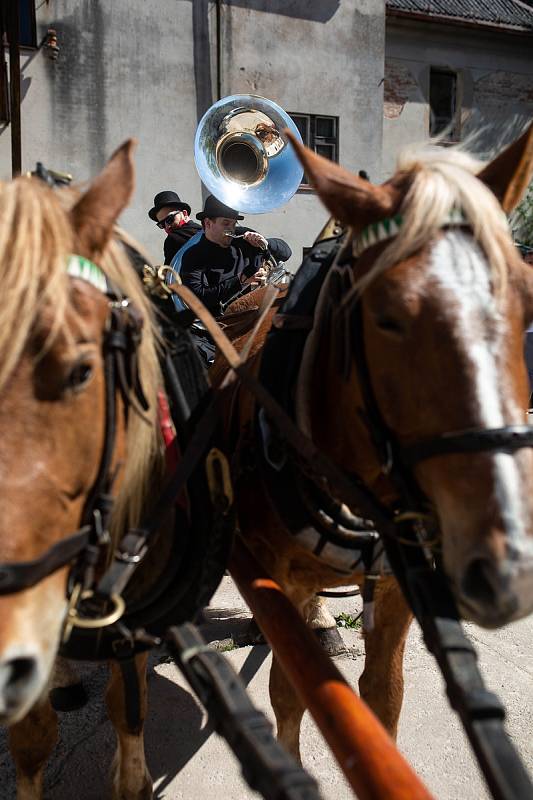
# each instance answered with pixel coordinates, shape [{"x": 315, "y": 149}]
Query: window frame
[
  {"x": 314, "y": 140},
  {"x": 32, "y": 24},
  {"x": 453, "y": 134},
  {"x": 26, "y": 10}
]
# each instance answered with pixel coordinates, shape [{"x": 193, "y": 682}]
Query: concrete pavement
[{"x": 188, "y": 762}]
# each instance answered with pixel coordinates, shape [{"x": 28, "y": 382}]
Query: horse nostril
[
  {"x": 15, "y": 675},
  {"x": 21, "y": 670},
  {"x": 477, "y": 584}
]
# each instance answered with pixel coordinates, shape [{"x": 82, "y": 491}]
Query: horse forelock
[
  {"x": 444, "y": 180},
  {"x": 36, "y": 238}
]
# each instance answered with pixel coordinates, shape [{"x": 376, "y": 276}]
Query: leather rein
[{"x": 402, "y": 528}]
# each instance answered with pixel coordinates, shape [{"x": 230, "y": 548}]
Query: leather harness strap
[
  {"x": 14, "y": 577},
  {"x": 426, "y": 588},
  {"x": 315, "y": 463},
  {"x": 86, "y": 543},
  {"x": 473, "y": 440},
  {"x": 132, "y": 548}
]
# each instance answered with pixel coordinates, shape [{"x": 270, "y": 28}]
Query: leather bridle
[
  {"x": 419, "y": 573},
  {"x": 396, "y": 459},
  {"x": 86, "y": 545},
  {"x": 422, "y": 579}
]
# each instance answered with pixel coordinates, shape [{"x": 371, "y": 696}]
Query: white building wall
[
  {"x": 495, "y": 72},
  {"x": 150, "y": 69},
  {"x": 122, "y": 71},
  {"x": 313, "y": 58}
]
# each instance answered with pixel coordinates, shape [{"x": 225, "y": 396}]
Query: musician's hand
[
  {"x": 256, "y": 240},
  {"x": 260, "y": 276}
]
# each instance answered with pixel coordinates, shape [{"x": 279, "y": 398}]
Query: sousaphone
[{"x": 244, "y": 157}]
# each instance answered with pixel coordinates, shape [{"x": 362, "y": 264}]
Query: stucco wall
[
  {"x": 149, "y": 70},
  {"x": 314, "y": 58},
  {"x": 495, "y": 84},
  {"x": 122, "y": 71}
]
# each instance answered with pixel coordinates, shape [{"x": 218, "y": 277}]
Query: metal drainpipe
[
  {"x": 219, "y": 47},
  {"x": 14, "y": 82}
]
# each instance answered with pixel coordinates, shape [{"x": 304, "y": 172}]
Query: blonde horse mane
[
  {"x": 35, "y": 239},
  {"x": 445, "y": 180}
]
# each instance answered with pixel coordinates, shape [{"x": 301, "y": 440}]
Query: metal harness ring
[{"x": 115, "y": 614}]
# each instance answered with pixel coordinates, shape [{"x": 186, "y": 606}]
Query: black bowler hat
[
  {"x": 214, "y": 208},
  {"x": 167, "y": 199}
]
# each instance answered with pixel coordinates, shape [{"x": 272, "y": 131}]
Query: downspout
[
  {"x": 14, "y": 84},
  {"x": 219, "y": 47}
]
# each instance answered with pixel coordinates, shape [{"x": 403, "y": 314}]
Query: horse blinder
[{"x": 123, "y": 337}]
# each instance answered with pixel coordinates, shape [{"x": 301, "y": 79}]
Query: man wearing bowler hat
[
  {"x": 172, "y": 216},
  {"x": 224, "y": 259}
]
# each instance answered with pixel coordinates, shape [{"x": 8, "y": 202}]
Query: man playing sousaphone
[{"x": 222, "y": 260}]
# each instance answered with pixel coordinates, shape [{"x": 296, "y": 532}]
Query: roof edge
[{"x": 458, "y": 22}]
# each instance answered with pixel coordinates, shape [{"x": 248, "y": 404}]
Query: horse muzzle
[{"x": 493, "y": 593}]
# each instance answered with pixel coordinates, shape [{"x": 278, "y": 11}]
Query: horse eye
[
  {"x": 390, "y": 325},
  {"x": 79, "y": 375}
]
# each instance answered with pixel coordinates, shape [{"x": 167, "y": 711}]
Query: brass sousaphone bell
[{"x": 243, "y": 156}]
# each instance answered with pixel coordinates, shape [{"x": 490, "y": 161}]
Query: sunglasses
[{"x": 168, "y": 219}]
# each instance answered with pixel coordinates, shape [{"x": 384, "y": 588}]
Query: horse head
[
  {"x": 437, "y": 298},
  {"x": 55, "y": 406}
]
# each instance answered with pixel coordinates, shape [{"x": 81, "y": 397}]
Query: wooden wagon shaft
[{"x": 364, "y": 750}]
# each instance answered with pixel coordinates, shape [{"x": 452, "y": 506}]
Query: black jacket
[
  {"x": 177, "y": 239},
  {"x": 213, "y": 272}
]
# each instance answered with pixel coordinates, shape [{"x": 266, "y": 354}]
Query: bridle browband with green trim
[
  {"x": 80, "y": 267},
  {"x": 388, "y": 228}
]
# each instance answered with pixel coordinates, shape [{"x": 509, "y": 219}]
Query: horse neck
[{"x": 328, "y": 401}]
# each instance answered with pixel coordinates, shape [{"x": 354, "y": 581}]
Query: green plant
[
  {"x": 348, "y": 621},
  {"x": 521, "y": 219},
  {"x": 225, "y": 645}
]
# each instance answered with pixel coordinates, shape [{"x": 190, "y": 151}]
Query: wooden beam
[{"x": 364, "y": 750}]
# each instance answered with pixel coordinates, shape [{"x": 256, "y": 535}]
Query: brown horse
[
  {"x": 53, "y": 429},
  {"x": 246, "y": 325},
  {"x": 444, "y": 300}
]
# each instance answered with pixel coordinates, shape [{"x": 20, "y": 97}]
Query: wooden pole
[
  {"x": 362, "y": 747},
  {"x": 14, "y": 83}
]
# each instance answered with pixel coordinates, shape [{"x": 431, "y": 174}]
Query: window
[
  {"x": 443, "y": 103},
  {"x": 319, "y": 133},
  {"x": 27, "y": 26}
]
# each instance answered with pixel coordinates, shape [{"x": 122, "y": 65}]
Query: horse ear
[
  {"x": 510, "y": 173},
  {"x": 97, "y": 210},
  {"x": 352, "y": 200}
]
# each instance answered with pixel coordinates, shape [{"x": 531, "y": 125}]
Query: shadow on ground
[{"x": 174, "y": 732}]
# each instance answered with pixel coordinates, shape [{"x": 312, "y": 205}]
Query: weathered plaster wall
[
  {"x": 315, "y": 58},
  {"x": 495, "y": 85},
  {"x": 149, "y": 70},
  {"x": 125, "y": 68}
]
